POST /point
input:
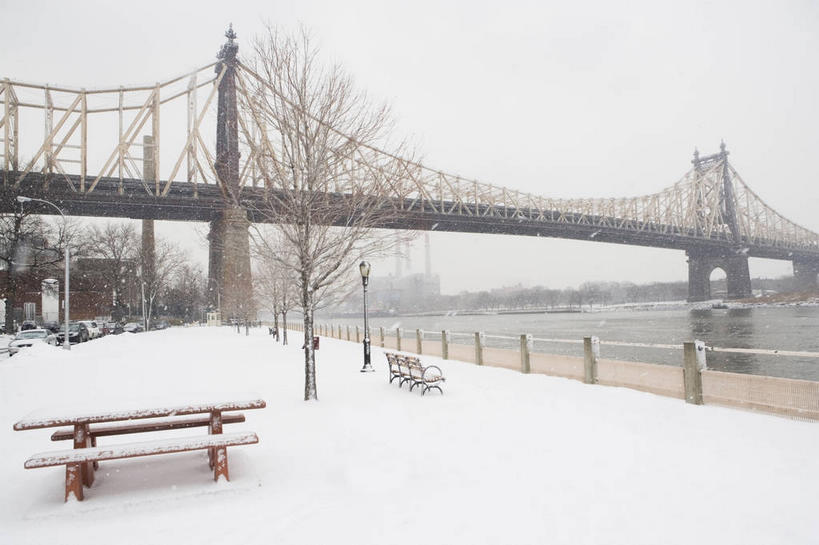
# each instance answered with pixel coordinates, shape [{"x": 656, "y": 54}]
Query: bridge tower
[
  {"x": 703, "y": 260},
  {"x": 805, "y": 274},
  {"x": 229, "y": 280}
]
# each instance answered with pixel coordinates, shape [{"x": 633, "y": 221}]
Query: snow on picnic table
[{"x": 500, "y": 458}]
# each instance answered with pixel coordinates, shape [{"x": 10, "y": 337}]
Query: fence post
[
  {"x": 480, "y": 341},
  {"x": 419, "y": 341},
  {"x": 445, "y": 344},
  {"x": 398, "y": 338},
  {"x": 357, "y": 335},
  {"x": 693, "y": 364},
  {"x": 525, "y": 348},
  {"x": 381, "y": 329},
  {"x": 591, "y": 353}
]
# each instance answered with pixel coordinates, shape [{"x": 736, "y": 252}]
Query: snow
[
  {"x": 140, "y": 448},
  {"x": 500, "y": 458},
  {"x": 62, "y": 417}
]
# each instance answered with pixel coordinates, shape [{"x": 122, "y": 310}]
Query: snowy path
[{"x": 501, "y": 458}]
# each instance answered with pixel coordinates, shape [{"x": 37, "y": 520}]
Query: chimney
[{"x": 428, "y": 257}]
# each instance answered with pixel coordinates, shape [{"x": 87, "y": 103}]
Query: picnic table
[{"x": 84, "y": 427}]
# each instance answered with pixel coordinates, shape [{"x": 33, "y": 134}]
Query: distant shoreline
[{"x": 778, "y": 300}]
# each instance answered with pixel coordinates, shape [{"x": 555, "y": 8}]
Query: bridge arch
[{"x": 701, "y": 265}]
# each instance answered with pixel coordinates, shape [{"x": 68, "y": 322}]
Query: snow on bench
[
  {"x": 143, "y": 448},
  {"x": 163, "y": 424},
  {"x": 409, "y": 369},
  {"x": 66, "y": 419},
  {"x": 76, "y": 458}
]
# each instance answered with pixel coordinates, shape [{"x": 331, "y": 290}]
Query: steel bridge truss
[{"x": 711, "y": 203}]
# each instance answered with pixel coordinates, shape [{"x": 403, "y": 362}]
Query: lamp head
[
  {"x": 22, "y": 199},
  {"x": 364, "y": 267}
]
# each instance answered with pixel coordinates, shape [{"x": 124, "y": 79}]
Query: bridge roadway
[{"x": 203, "y": 203}]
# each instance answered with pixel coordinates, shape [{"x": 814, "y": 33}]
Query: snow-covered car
[
  {"x": 77, "y": 333},
  {"x": 26, "y": 338},
  {"x": 93, "y": 328},
  {"x": 132, "y": 327}
]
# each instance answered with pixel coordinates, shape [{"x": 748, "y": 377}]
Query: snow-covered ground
[{"x": 501, "y": 458}]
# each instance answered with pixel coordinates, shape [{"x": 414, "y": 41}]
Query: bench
[
  {"x": 409, "y": 370},
  {"x": 74, "y": 458},
  {"x": 85, "y": 428},
  {"x": 142, "y": 427}
]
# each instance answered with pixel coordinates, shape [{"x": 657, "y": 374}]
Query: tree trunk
[
  {"x": 276, "y": 320},
  {"x": 11, "y": 299},
  {"x": 310, "y": 393},
  {"x": 284, "y": 327}
]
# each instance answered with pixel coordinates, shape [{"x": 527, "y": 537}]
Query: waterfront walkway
[{"x": 502, "y": 457}]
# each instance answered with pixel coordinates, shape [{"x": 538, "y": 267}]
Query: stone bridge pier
[
  {"x": 805, "y": 273},
  {"x": 229, "y": 278},
  {"x": 701, "y": 263}
]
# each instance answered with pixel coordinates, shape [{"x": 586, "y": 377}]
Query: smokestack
[
  {"x": 398, "y": 272},
  {"x": 427, "y": 257},
  {"x": 407, "y": 262}
]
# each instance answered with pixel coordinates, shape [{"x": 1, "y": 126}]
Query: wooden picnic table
[{"x": 84, "y": 438}]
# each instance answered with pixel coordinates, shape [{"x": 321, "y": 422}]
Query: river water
[{"x": 775, "y": 328}]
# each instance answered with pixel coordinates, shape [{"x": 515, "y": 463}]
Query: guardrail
[{"x": 692, "y": 380}]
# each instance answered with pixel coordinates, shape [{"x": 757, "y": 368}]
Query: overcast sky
[{"x": 564, "y": 99}]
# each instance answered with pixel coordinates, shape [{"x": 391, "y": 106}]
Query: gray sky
[{"x": 564, "y": 99}]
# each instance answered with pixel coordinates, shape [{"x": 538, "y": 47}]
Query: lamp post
[
  {"x": 21, "y": 199},
  {"x": 364, "y": 267}
]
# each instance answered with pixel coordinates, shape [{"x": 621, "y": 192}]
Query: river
[{"x": 775, "y": 328}]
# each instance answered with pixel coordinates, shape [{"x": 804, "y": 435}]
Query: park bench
[
  {"x": 82, "y": 460},
  {"x": 408, "y": 369},
  {"x": 162, "y": 424}
]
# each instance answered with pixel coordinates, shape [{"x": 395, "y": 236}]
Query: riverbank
[
  {"x": 773, "y": 300},
  {"x": 500, "y": 458}
]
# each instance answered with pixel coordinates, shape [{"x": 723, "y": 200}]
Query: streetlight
[
  {"x": 21, "y": 199},
  {"x": 364, "y": 267}
]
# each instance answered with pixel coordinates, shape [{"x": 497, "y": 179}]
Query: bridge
[{"x": 106, "y": 152}]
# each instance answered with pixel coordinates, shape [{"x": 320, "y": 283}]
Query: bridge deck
[{"x": 188, "y": 202}]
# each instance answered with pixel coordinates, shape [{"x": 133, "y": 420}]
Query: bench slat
[
  {"x": 67, "y": 420},
  {"x": 155, "y": 425},
  {"x": 144, "y": 448}
]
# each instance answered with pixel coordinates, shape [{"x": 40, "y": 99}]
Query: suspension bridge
[{"x": 141, "y": 152}]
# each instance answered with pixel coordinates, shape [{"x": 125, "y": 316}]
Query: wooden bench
[
  {"x": 73, "y": 459},
  {"x": 82, "y": 460},
  {"x": 408, "y": 369},
  {"x": 142, "y": 427}
]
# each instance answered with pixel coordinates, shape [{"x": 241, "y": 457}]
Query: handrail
[{"x": 708, "y": 348}]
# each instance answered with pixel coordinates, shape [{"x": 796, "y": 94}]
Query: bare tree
[
  {"x": 30, "y": 244},
  {"x": 323, "y": 200},
  {"x": 154, "y": 281},
  {"x": 275, "y": 283},
  {"x": 117, "y": 245},
  {"x": 185, "y": 297}
]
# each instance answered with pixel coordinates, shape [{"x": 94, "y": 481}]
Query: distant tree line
[{"x": 588, "y": 296}]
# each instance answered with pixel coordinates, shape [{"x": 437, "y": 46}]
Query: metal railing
[{"x": 692, "y": 380}]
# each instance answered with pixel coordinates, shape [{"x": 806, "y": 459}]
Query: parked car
[
  {"x": 114, "y": 328},
  {"x": 77, "y": 333},
  {"x": 28, "y": 324},
  {"x": 27, "y": 338},
  {"x": 93, "y": 329},
  {"x": 54, "y": 327},
  {"x": 162, "y": 324},
  {"x": 132, "y": 327}
]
